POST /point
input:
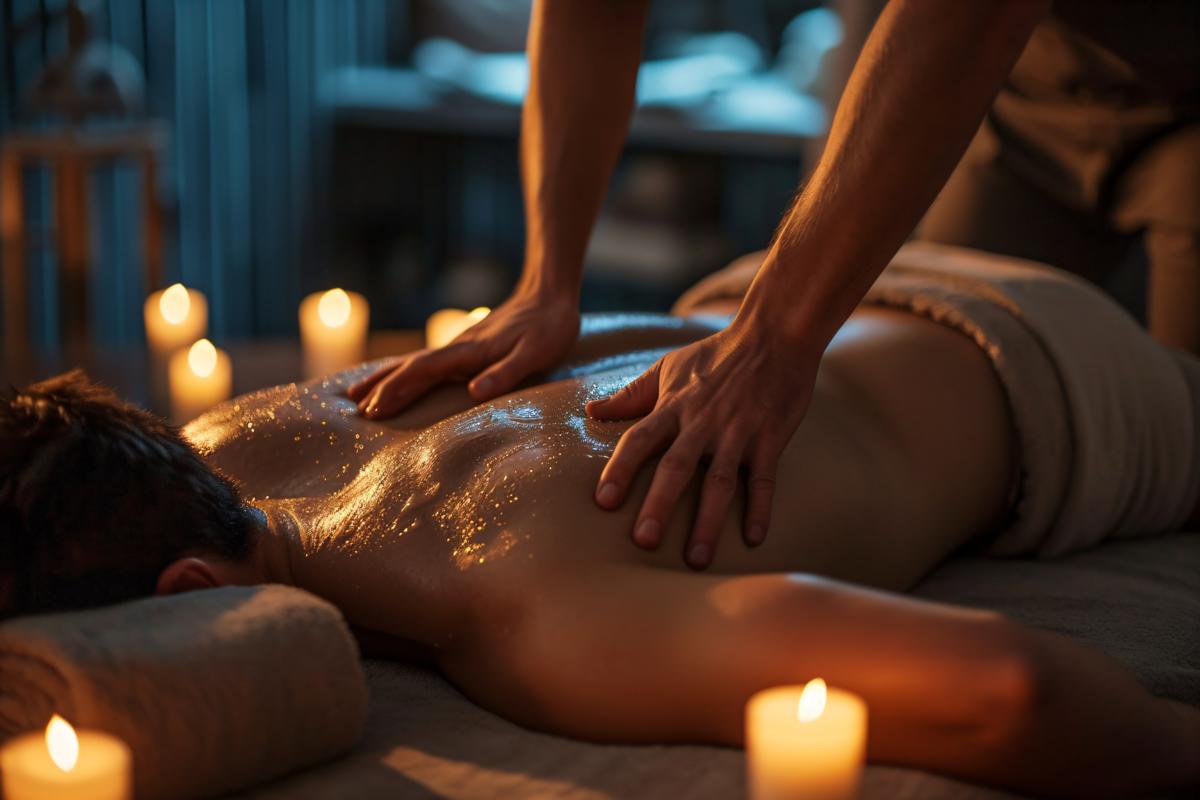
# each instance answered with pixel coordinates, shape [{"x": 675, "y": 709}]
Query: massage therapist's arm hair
[
  {"x": 583, "y": 64},
  {"x": 925, "y": 78},
  {"x": 928, "y": 73}
]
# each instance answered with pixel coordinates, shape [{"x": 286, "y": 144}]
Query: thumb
[
  {"x": 637, "y": 398},
  {"x": 503, "y": 375}
]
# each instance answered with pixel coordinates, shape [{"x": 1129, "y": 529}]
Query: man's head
[{"x": 102, "y": 502}]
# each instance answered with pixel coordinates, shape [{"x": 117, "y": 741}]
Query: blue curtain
[{"x": 239, "y": 83}]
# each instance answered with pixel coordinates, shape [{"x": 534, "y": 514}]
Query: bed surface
[{"x": 1137, "y": 601}]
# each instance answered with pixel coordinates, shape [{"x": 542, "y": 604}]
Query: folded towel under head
[
  {"x": 213, "y": 691},
  {"x": 1106, "y": 418}
]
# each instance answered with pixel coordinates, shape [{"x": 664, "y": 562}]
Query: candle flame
[
  {"x": 62, "y": 743},
  {"x": 174, "y": 304},
  {"x": 334, "y": 308},
  {"x": 812, "y": 701},
  {"x": 476, "y": 314},
  {"x": 202, "y": 358}
]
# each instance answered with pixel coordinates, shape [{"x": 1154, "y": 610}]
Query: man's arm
[
  {"x": 583, "y": 64},
  {"x": 925, "y": 78},
  {"x": 673, "y": 657}
]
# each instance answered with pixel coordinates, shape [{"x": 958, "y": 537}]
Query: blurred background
[{"x": 260, "y": 150}]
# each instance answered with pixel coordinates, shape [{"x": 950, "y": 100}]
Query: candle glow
[
  {"x": 333, "y": 331},
  {"x": 334, "y": 308},
  {"x": 62, "y": 743},
  {"x": 175, "y": 317},
  {"x": 805, "y": 741},
  {"x": 446, "y": 325},
  {"x": 174, "y": 304},
  {"x": 202, "y": 358},
  {"x": 60, "y": 763},
  {"x": 198, "y": 377},
  {"x": 812, "y": 701}
]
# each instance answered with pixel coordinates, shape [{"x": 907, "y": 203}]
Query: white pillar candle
[
  {"x": 175, "y": 317},
  {"x": 61, "y": 764},
  {"x": 199, "y": 377},
  {"x": 333, "y": 330},
  {"x": 444, "y": 326},
  {"x": 805, "y": 741}
]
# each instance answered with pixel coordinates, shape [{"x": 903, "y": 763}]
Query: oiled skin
[
  {"x": 504, "y": 478},
  {"x": 470, "y": 536}
]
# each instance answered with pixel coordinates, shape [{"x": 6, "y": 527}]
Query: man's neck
[{"x": 278, "y": 534}]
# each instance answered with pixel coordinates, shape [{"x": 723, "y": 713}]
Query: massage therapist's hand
[
  {"x": 735, "y": 397},
  {"x": 528, "y": 333}
]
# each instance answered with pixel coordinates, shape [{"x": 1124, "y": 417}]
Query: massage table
[{"x": 1137, "y": 601}]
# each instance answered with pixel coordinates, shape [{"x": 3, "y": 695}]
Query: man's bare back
[{"x": 478, "y": 485}]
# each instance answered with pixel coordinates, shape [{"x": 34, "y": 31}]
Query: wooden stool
[{"x": 71, "y": 154}]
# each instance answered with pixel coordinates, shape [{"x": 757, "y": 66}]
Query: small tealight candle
[
  {"x": 805, "y": 741},
  {"x": 61, "y": 764},
  {"x": 199, "y": 377},
  {"x": 444, "y": 326},
  {"x": 333, "y": 330},
  {"x": 175, "y": 317}
]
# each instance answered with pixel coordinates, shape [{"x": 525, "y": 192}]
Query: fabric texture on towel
[
  {"x": 1105, "y": 416},
  {"x": 214, "y": 691}
]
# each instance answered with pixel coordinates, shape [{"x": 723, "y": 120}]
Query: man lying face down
[{"x": 466, "y": 537}]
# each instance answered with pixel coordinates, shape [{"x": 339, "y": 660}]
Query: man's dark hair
[{"x": 98, "y": 496}]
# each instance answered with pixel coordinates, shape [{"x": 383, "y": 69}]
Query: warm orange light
[
  {"x": 812, "y": 701},
  {"x": 334, "y": 308},
  {"x": 477, "y": 314},
  {"x": 174, "y": 304},
  {"x": 202, "y": 358},
  {"x": 62, "y": 743}
]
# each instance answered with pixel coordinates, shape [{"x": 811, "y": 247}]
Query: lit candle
[
  {"x": 199, "y": 377},
  {"x": 805, "y": 742},
  {"x": 63, "y": 765},
  {"x": 444, "y": 326},
  {"x": 333, "y": 329},
  {"x": 175, "y": 317}
]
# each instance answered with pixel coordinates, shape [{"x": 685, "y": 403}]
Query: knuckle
[
  {"x": 408, "y": 371},
  {"x": 675, "y": 463},
  {"x": 761, "y": 482},
  {"x": 641, "y": 435},
  {"x": 720, "y": 478}
]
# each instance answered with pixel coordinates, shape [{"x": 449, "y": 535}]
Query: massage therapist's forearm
[
  {"x": 926, "y": 76},
  {"x": 583, "y": 64}
]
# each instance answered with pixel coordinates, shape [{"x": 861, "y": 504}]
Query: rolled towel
[{"x": 213, "y": 691}]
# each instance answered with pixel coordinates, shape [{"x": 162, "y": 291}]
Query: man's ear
[{"x": 187, "y": 575}]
